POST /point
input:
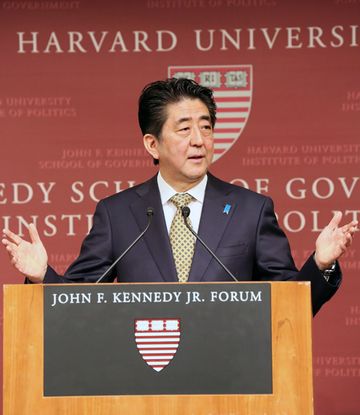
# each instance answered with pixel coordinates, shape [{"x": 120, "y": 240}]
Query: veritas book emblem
[
  {"x": 157, "y": 340},
  {"x": 232, "y": 86}
]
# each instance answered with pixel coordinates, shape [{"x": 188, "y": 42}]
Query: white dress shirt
[{"x": 196, "y": 205}]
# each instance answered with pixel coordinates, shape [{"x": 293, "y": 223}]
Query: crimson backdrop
[{"x": 70, "y": 75}]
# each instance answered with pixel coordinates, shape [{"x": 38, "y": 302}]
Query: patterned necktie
[{"x": 181, "y": 239}]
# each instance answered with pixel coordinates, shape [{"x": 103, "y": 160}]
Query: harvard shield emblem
[
  {"x": 157, "y": 340},
  {"x": 232, "y": 86}
]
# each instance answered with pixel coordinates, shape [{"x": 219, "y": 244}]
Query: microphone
[
  {"x": 185, "y": 211},
  {"x": 149, "y": 214}
]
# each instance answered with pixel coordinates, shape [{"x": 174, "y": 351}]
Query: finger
[
  {"x": 34, "y": 234},
  {"x": 343, "y": 247},
  {"x": 345, "y": 228},
  {"x": 5, "y": 241},
  {"x": 10, "y": 254},
  {"x": 340, "y": 249},
  {"x": 349, "y": 238},
  {"x": 335, "y": 220},
  {"x": 12, "y": 236},
  {"x": 11, "y": 248},
  {"x": 14, "y": 261},
  {"x": 351, "y": 225},
  {"x": 352, "y": 230}
]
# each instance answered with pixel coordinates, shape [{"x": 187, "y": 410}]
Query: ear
[{"x": 151, "y": 144}]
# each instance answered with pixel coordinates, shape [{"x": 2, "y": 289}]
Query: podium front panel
[{"x": 157, "y": 339}]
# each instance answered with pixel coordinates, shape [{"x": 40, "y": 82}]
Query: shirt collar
[{"x": 167, "y": 192}]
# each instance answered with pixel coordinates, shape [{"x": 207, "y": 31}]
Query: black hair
[{"x": 156, "y": 96}]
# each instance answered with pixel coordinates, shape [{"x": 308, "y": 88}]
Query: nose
[{"x": 196, "y": 137}]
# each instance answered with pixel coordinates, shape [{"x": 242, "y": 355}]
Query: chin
[{"x": 196, "y": 175}]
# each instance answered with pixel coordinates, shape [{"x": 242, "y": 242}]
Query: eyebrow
[{"x": 202, "y": 117}]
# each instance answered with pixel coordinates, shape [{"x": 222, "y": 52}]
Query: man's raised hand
[{"x": 29, "y": 258}]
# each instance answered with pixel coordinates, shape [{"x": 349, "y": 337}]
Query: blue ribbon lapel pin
[{"x": 227, "y": 209}]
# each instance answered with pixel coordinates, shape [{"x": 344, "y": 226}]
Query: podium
[{"x": 52, "y": 334}]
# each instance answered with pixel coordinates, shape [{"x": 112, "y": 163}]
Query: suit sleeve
[
  {"x": 96, "y": 254},
  {"x": 274, "y": 260}
]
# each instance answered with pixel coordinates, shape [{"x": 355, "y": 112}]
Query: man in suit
[{"x": 177, "y": 119}]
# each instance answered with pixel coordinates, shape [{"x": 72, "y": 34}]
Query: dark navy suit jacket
[{"x": 248, "y": 241}]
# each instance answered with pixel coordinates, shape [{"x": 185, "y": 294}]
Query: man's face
[{"x": 186, "y": 146}]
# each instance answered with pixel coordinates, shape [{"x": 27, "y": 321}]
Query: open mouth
[{"x": 199, "y": 157}]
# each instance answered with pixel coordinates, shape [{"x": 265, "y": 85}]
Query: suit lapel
[
  {"x": 212, "y": 224},
  {"x": 156, "y": 238}
]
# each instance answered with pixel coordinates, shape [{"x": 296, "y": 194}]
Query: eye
[
  {"x": 184, "y": 129},
  {"x": 206, "y": 127}
]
